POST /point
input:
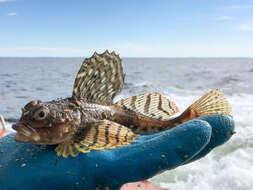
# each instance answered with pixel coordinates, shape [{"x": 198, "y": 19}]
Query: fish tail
[{"x": 213, "y": 102}]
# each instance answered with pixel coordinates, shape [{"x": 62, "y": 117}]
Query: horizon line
[{"x": 135, "y": 57}]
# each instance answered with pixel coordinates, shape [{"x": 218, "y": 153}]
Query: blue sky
[{"x": 134, "y": 28}]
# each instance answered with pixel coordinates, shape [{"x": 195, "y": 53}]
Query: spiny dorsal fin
[
  {"x": 213, "y": 102},
  {"x": 97, "y": 136},
  {"x": 153, "y": 105},
  {"x": 100, "y": 78}
]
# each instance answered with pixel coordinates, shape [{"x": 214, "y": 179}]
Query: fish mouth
[{"x": 25, "y": 133}]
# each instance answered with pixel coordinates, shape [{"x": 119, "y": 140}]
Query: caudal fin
[{"x": 213, "y": 102}]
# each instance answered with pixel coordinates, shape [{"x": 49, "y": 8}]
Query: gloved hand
[{"x": 25, "y": 166}]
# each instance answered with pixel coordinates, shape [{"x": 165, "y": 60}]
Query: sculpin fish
[{"x": 90, "y": 120}]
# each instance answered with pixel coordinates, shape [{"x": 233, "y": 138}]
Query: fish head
[{"x": 39, "y": 124}]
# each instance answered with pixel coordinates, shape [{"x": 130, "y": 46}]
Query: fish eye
[{"x": 41, "y": 113}]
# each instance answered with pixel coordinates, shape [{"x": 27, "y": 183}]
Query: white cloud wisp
[
  {"x": 12, "y": 14},
  {"x": 246, "y": 27},
  {"x": 137, "y": 50},
  {"x": 4, "y": 1},
  {"x": 224, "y": 18}
]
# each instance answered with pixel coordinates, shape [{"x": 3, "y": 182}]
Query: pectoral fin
[
  {"x": 100, "y": 135},
  {"x": 67, "y": 148}
]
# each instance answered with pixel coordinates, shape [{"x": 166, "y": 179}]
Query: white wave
[
  {"x": 229, "y": 166},
  {"x": 8, "y": 126}
]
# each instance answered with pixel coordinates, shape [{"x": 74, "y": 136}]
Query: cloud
[
  {"x": 224, "y": 18},
  {"x": 239, "y": 7},
  {"x": 4, "y": 1},
  {"x": 137, "y": 50},
  {"x": 246, "y": 27},
  {"x": 12, "y": 14},
  {"x": 44, "y": 52},
  {"x": 185, "y": 50}
]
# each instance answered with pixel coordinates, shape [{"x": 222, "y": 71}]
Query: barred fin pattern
[
  {"x": 100, "y": 78},
  {"x": 213, "y": 102},
  {"x": 153, "y": 105},
  {"x": 108, "y": 134},
  {"x": 101, "y": 135},
  {"x": 66, "y": 149}
]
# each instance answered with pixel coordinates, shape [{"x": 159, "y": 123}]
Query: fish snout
[
  {"x": 25, "y": 133},
  {"x": 18, "y": 125}
]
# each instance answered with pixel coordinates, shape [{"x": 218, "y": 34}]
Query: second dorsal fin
[{"x": 153, "y": 105}]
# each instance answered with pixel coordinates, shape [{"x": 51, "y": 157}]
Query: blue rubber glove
[{"x": 25, "y": 166}]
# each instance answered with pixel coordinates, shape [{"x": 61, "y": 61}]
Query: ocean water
[{"x": 182, "y": 80}]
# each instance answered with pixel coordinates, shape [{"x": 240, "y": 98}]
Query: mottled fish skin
[
  {"x": 66, "y": 114},
  {"x": 89, "y": 120}
]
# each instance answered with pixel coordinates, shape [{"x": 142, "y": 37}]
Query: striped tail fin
[{"x": 213, "y": 102}]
